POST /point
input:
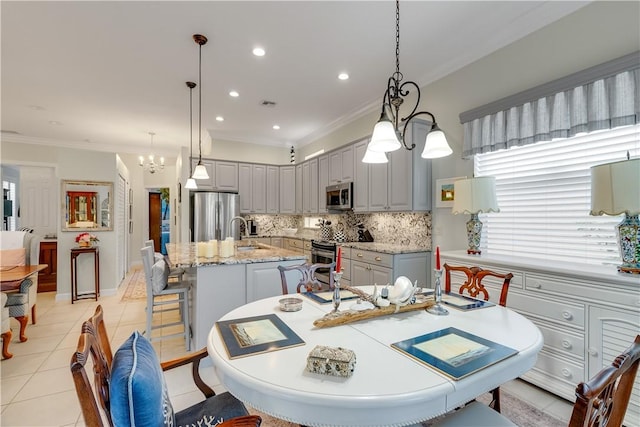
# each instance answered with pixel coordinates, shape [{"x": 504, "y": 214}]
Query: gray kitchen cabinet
[
  {"x": 276, "y": 241},
  {"x": 310, "y": 186},
  {"x": 323, "y": 182},
  {"x": 587, "y": 315},
  {"x": 273, "y": 189},
  {"x": 223, "y": 175},
  {"x": 299, "y": 189},
  {"x": 341, "y": 165},
  {"x": 288, "y": 189},
  {"x": 369, "y": 267},
  {"x": 360, "y": 178},
  {"x": 263, "y": 279},
  {"x": 252, "y": 188}
]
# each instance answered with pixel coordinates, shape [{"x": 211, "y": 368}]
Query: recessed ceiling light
[
  {"x": 234, "y": 94},
  {"x": 258, "y": 51},
  {"x": 220, "y": 118},
  {"x": 343, "y": 76},
  {"x": 276, "y": 127}
]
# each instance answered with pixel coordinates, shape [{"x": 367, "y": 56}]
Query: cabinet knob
[
  {"x": 566, "y": 344},
  {"x": 378, "y": 258},
  {"x": 593, "y": 352},
  {"x": 566, "y": 373},
  {"x": 537, "y": 285},
  {"x": 567, "y": 315},
  {"x": 359, "y": 255}
]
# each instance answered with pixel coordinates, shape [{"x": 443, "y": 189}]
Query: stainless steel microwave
[{"x": 340, "y": 196}]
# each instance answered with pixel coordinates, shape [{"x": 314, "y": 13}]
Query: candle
[
  {"x": 438, "y": 258},
  {"x": 339, "y": 260}
]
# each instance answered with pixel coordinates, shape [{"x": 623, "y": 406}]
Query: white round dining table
[{"x": 387, "y": 387}]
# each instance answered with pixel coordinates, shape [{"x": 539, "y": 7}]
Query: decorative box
[{"x": 335, "y": 361}]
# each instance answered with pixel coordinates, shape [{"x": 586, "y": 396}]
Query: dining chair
[
  {"x": 130, "y": 385},
  {"x": 159, "y": 289},
  {"x": 473, "y": 285},
  {"x": 308, "y": 279},
  {"x": 601, "y": 401},
  {"x": 5, "y": 327}
]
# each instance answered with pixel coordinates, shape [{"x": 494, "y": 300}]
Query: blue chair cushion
[{"x": 138, "y": 391}]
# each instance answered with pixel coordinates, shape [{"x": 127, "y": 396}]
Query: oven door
[{"x": 322, "y": 256}]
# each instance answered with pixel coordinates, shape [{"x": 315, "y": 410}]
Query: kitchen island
[{"x": 223, "y": 284}]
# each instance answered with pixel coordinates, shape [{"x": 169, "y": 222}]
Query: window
[{"x": 544, "y": 194}]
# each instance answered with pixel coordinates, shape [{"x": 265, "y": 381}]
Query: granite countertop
[
  {"x": 387, "y": 248},
  {"x": 184, "y": 255}
]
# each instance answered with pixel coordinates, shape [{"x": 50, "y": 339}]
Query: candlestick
[
  {"x": 438, "y": 309},
  {"x": 336, "y": 290},
  {"x": 339, "y": 260},
  {"x": 437, "y": 258}
]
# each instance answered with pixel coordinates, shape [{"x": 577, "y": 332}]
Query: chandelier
[
  {"x": 150, "y": 164},
  {"x": 386, "y": 135}
]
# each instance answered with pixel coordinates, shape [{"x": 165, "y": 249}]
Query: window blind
[{"x": 544, "y": 195}]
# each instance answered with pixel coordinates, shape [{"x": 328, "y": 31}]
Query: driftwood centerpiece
[{"x": 349, "y": 316}]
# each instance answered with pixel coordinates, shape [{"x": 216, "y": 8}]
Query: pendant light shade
[
  {"x": 436, "y": 145},
  {"x": 374, "y": 157},
  {"x": 384, "y": 138},
  {"x": 200, "y": 172},
  {"x": 191, "y": 184}
]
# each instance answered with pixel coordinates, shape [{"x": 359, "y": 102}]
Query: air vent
[{"x": 266, "y": 103}]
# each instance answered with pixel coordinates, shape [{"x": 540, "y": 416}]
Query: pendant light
[
  {"x": 201, "y": 171},
  {"x": 386, "y": 135},
  {"x": 191, "y": 183},
  {"x": 150, "y": 164}
]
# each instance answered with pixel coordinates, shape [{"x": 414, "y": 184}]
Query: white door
[{"x": 121, "y": 227}]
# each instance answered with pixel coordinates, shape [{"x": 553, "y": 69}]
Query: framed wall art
[{"x": 444, "y": 192}]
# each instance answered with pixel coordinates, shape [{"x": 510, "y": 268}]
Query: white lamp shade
[
  {"x": 191, "y": 184},
  {"x": 384, "y": 138},
  {"x": 200, "y": 172},
  {"x": 615, "y": 188},
  {"x": 475, "y": 195},
  {"x": 436, "y": 145},
  {"x": 374, "y": 157}
]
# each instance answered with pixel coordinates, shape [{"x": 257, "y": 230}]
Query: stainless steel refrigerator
[{"x": 211, "y": 214}]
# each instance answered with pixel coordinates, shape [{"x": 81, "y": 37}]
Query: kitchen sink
[{"x": 248, "y": 248}]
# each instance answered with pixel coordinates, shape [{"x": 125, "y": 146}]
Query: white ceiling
[{"x": 101, "y": 75}]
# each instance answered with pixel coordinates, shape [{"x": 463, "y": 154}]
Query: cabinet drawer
[
  {"x": 566, "y": 314},
  {"x": 563, "y": 370},
  {"x": 563, "y": 341},
  {"x": 590, "y": 291},
  {"x": 375, "y": 258}
]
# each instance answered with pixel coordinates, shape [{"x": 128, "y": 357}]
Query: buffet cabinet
[{"x": 587, "y": 316}]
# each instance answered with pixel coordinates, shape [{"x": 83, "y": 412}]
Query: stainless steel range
[{"x": 323, "y": 252}]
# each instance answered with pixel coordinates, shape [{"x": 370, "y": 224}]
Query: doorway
[{"x": 159, "y": 218}]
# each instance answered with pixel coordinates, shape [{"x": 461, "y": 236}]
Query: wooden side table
[{"x": 75, "y": 253}]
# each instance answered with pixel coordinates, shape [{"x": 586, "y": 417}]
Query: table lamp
[
  {"x": 472, "y": 196},
  {"x": 615, "y": 190}
]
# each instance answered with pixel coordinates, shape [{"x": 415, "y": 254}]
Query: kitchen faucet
[{"x": 246, "y": 227}]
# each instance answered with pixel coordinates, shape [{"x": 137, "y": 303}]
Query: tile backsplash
[{"x": 403, "y": 228}]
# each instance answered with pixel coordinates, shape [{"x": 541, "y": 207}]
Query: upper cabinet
[
  {"x": 341, "y": 165},
  {"x": 323, "y": 182},
  {"x": 273, "y": 189},
  {"x": 310, "y": 186},
  {"x": 288, "y": 189},
  {"x": 361, "y": 178},
  {"x": 252, "y": 188},
  {"x": 223, "y": 175}
]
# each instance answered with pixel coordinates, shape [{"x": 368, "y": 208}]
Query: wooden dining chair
[
  {"x": 601, "y": 401},
  {"x": 308, "y": 279},
  {"x": 103, "y": 406},
  {"x": 474, "y": 287}
]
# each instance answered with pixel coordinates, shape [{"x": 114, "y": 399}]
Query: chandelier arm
[
  {"x": 405, "y": 92},
  {"x": 406, "y": 123}
]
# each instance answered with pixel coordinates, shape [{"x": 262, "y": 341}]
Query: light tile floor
[{"x": 36, "y": 384}]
